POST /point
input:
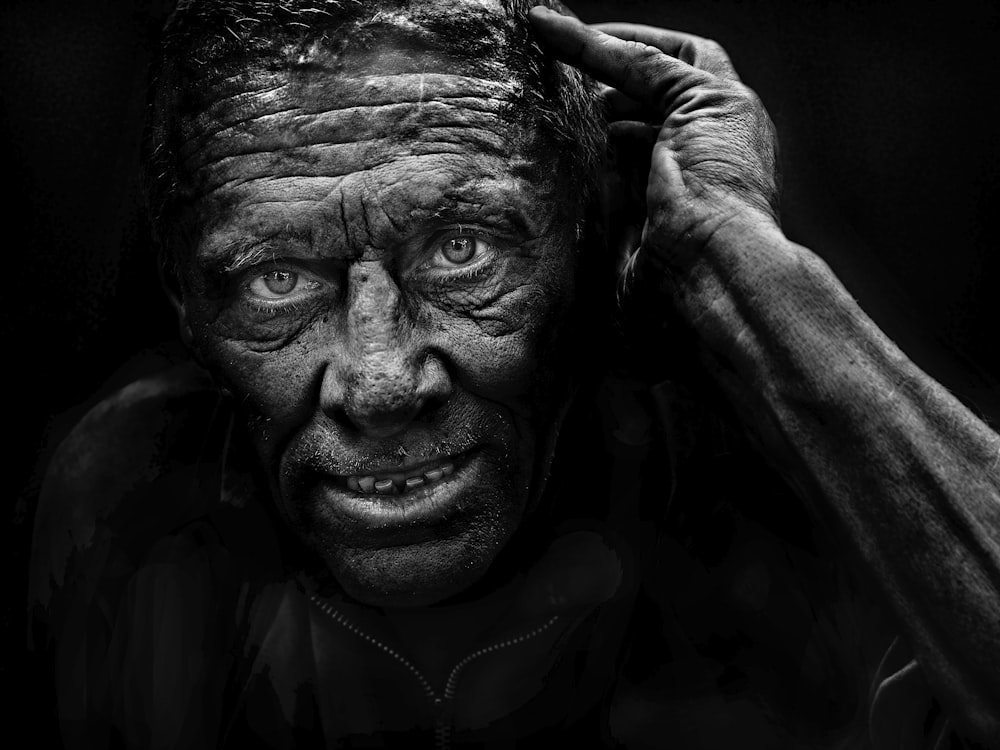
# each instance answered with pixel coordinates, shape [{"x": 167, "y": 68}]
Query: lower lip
[{"x": 424, "y": 504}]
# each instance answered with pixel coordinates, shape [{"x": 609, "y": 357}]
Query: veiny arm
[
  {"x": 873, "y": 443},
  {"x": 900, "y": 464}
]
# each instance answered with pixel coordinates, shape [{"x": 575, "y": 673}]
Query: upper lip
[
  {"x": 380, "y": 461},
  {"x": 409, "y": 464}
]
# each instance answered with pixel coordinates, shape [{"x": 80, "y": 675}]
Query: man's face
[{"x": 378, "y": 274}]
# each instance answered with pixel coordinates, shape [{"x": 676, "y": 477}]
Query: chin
[
  {"x": 414, "y": 547},
  {"x": 415, "y": 575}
]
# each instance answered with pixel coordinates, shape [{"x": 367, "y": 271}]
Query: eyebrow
[
  {"x": 245, "y": 252},
  {"x": 247, "y": 256},
  {"x": 460, "y": 212},
  {"x": 496, "y": 204}
]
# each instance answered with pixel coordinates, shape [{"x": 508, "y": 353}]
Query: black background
[{"x": 887, "y": 114}]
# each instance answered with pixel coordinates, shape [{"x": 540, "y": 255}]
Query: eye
[
  {"x": 459, "y": 251},
  {"x": 459, "y": 255},
  {"x": 279, "y": 284}
]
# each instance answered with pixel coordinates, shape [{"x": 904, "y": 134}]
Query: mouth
[
  {"x": 418, "y": 493},
  {"x": 403, "y": 480}
]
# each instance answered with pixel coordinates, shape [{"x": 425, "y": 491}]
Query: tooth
[
  {"x": 447, "y": 469},
  {"x": 433, "y": 475},
  {"x": 413, "y": 482},
  {"x": 352, "y": 484},
  {"x": 367, "y": 484},
  {"x": 384, "y": 487}
]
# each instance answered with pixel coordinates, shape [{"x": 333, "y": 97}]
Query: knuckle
[
  {"x": 746, "y": 97},
  {"x": 713, "y": 49},
  {"x": 688, "y": 50},
  {"x": 640, "y": 51}
]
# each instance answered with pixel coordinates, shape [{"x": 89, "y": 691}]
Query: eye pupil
[
  {"x": 280, "y": 282},
  {"x": 459, "y": 249}
]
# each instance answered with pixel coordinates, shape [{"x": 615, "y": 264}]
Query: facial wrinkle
[
  {"x": 272, "y": 161},
  {"x": 345, "y": 225},
  {"x": 398, "y": 228},
  {"x": 320, "y": 125},
  {"x": 402, "y": 87},
  {"x": 219, "y": 106},
  {"x": 363, "y": 195},
  {"x": 394, "y": 211},
  {"x": 292, "y": 124}
]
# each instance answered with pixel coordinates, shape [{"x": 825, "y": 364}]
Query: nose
[{"x": 383, "y": 376}]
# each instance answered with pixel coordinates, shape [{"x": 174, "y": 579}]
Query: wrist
[
  {"x": 682, "y": 238},
  {"x": 744, "y": 281},
  {"x": 729, "y": 245}
]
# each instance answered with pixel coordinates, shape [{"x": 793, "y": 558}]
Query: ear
[
  {"x": 624, "y": 189},
  {"x": 171, "y": 284},
  {"x": 644, "y": 313},
  {"x": 183, "y": 326}
]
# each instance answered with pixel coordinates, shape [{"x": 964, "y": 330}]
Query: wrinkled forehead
[
  {"x": 414, "y": 105},
  {"x": 472, "y": 38},
  {"x": 380, "y": 79},
  {"x": 384, "y": 94}
]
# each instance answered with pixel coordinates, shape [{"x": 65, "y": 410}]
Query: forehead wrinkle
[
  {"x": 315, "y": 118},
  {"x": 339, "y": 160},
  {"x": 399, "y": 124},
  {"x": 249, "y": 92},
  {"x": 502, "y": 202},
  {"x": 234, "y": 104},
  {"x": 445, "y": 196},
  {"x": 306, "y": 187}
]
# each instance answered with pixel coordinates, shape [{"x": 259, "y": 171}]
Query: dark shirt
[{"x": 671, "y": 591}]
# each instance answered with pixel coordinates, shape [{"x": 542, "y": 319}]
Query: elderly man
[{"x": 426, "y": 482}]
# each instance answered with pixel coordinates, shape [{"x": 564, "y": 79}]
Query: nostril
[
  {"x": 339, "y": 416},
  {"x": 382, "y": 408},
  {"x": 380, "y": 415},
  {"x": 383, "y": 423},
  {"x": 381, "y": 398},
  {"x": 428, "y": 407}
]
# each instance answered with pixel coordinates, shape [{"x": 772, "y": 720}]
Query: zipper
[{"x": 441, "y": 702}]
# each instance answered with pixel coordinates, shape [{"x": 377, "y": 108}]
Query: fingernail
[{"x": 544, "y": 9}]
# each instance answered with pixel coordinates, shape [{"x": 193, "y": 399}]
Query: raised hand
[{"x": 713, "y": 150}]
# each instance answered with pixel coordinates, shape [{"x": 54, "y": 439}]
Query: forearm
[{"x": 908, "y": 473}]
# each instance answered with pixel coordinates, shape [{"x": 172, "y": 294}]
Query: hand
[{"x": 713, "y": 157}]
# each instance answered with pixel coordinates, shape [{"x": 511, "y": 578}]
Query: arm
[
  {"x": 127, "y": 576},
  {"x": 909, "y": 474}
]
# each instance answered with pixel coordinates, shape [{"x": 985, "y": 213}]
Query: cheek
[
  {"x": 505, "y": 368},
  {"x": 277, "y": 389},
  {"x": 511, "y": 351}
]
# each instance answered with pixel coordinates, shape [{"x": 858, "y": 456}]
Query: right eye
[{"x": 278, "y": 284}]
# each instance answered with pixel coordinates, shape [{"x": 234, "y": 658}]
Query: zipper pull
[{"x": 442, "y": 723}]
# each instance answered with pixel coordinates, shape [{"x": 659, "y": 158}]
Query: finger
[
  {"x": 697, "y": 51},
  {"x": 637, "y": 69}
]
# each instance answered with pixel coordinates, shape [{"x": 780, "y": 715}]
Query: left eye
[
  {"x": 277, "y": 284},
  {"x": 458, "y": 251}
]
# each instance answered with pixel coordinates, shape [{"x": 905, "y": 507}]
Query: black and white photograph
[{"x": 502, "y": 374}]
